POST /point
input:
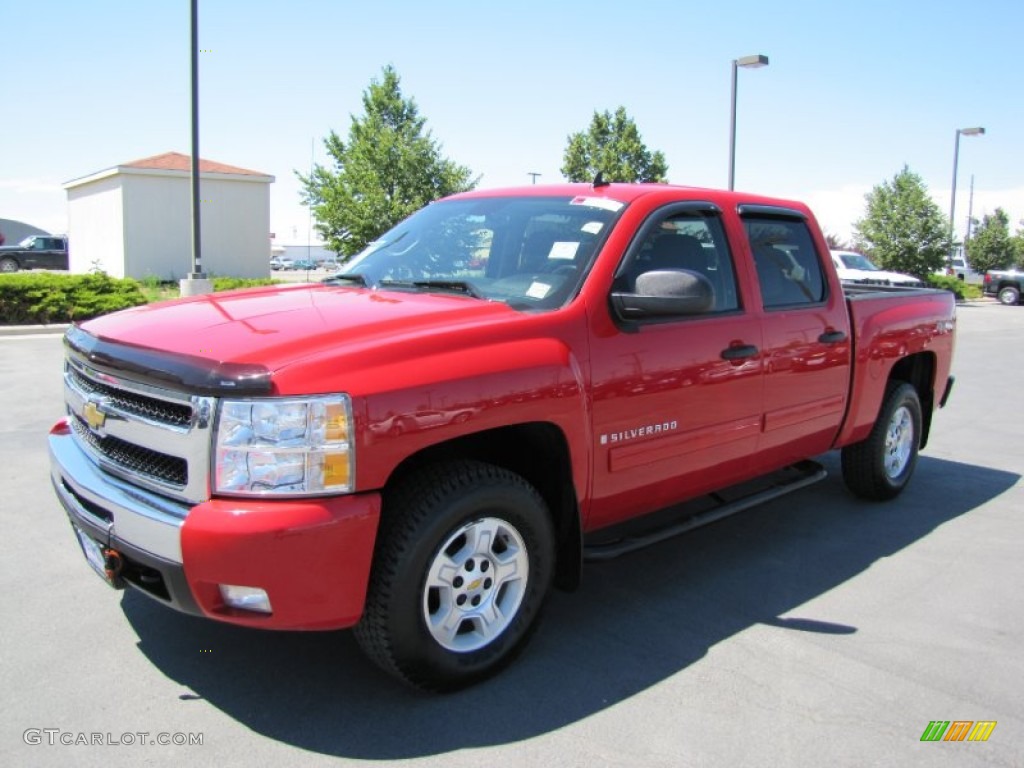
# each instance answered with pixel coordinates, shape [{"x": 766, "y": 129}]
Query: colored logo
[
  {"x": 94, "y": 417},
  {"x": 958, "y": 730}
]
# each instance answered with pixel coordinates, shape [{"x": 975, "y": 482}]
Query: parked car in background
[
  {"x": 960, "y": 268},
  {"x": 281, "y": 262},
  {"x": 1005, "y": 284},
  {"x": 35, "y": 252},
  {"x": 859, "y": 269},
  {"x": 306, "y": 264}
]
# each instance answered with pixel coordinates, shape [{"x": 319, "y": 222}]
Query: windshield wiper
[{"x": 455, "y": 286}]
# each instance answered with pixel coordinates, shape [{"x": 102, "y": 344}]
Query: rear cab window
[{"x": 788, "y": 265}]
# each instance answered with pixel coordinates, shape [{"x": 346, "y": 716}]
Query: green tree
[
  {"x": 903, "y": 229},
  {"x": 389, "y": 168},
  {"x": 836, "y": 243},
  {"x": 612, "y": 146},
  {"x": 991, "y": 247}
]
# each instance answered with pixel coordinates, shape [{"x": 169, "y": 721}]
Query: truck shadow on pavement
[{"x": 635, "y": 622}]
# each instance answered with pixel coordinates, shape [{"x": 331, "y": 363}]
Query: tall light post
[
  {"x": 748, "y": 62},
  {"x": 952, "y": 196},
  {"x": 196, "y": 282}
]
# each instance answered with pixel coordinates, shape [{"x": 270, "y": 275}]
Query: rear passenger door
[
  {"x": 676, "y": 399},
  {"x": 53, "y": 255},
  {"x": 805, "y": 332}
]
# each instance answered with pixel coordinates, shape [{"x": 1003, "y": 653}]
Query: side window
[
  {"x": 688, "y": 241},
  {"x": 788, "y": 267}
]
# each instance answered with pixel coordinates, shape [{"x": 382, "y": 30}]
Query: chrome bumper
[{"x": 110, "y": 510}]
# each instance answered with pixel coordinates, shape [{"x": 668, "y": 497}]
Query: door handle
[
  {"x": 739, "y": 352},
  {"x": 832, "y": 337}
]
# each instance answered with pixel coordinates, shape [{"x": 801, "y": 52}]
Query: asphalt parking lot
[{"x": 815, "y": 630}]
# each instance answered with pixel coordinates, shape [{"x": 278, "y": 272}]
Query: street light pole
[
  {"x": 952, "y": 196},
  {"x": 197, "y": 253},
  {"x": 970, "y": 214},
  {"x": 748, "y": 62},
  {"x": 196, "y": 282}
]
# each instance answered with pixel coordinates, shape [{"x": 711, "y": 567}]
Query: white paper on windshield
[
  {"x": 597, "y": 202},
  {"x": 563, "y": 250},
  {"x": 538, "y": 290}
]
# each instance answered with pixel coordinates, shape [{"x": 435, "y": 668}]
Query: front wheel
[
  {"x": 1009, "y": 296},
  {"x": 463, "y": 563},
  {"x": 879, "y": 467},
  {"x": 8, "y": 265}
]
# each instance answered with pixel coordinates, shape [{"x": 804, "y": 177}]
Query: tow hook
[{"x": 113, "y": 563}]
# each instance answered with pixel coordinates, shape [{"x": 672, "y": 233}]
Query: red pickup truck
[{"x": 503, "y": 386}]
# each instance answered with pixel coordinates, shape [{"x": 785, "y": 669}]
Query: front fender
[{"x": 442, "y": 396}]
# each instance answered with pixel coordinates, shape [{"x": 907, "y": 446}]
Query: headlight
[{"x": 293, "y": 446}]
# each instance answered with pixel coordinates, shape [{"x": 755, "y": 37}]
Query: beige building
[{"x": 135, "y": 219}]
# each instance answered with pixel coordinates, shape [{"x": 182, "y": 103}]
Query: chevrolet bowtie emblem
[{"x": 94, "y": 417}]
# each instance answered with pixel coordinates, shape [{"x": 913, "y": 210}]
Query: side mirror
[{"x": 666, "y": 293}]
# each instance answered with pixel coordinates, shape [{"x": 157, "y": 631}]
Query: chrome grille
[
  {"x": 155, "y": 438},
  {"x": 132, "y": 458},
  {"x": 151, "y": 408}
]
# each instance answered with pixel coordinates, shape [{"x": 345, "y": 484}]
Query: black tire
[
  {"x": 1009, "y": 296},
  {"x": 443, "y": 530},
  {"x": 8, "y": 264},
  {"x": 879, "y": 467}
]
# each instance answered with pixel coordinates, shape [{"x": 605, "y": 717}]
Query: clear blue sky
[{"x": 854, "y": 91}]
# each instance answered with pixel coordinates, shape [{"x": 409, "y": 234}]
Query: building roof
[
  {"x": 175, "y": 161},
  {"x": 174, "y": 164}
]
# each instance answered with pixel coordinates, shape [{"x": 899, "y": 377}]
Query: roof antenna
[{"x": 599, "y": 180}]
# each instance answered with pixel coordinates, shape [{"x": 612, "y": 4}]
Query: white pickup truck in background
[{"x": 857, "y": 268}]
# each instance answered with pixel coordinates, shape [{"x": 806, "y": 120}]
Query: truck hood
[{"x": 279, "y": 326}]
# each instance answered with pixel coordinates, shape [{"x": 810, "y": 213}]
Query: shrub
[
  {"x": 947, "y": 283},
  {"x": 956, "y": 285},
  {"x": 44, "y": 297},
  {"x": 230, "y": 283}
]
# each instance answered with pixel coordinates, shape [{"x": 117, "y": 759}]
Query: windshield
[
  {"x": 529, "y": 252},
  {"x": 857, "y": 261},
  {"x": 27, "y": 242}
]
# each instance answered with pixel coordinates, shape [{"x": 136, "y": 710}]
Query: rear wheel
[
  {"x": 879, "y": 467},
  {"x": 1009, "y": 295},
  {"x": 8, "y": 264},
  {"x": 463, "y": 562}
]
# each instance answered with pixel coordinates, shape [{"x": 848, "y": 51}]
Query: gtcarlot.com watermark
[{"x": 57, "y": 736}]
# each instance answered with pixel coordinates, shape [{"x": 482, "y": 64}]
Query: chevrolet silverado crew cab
[{"x": 504, "y": 385}]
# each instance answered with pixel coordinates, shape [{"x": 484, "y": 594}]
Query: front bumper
[{"x": 311, "y": 556}]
